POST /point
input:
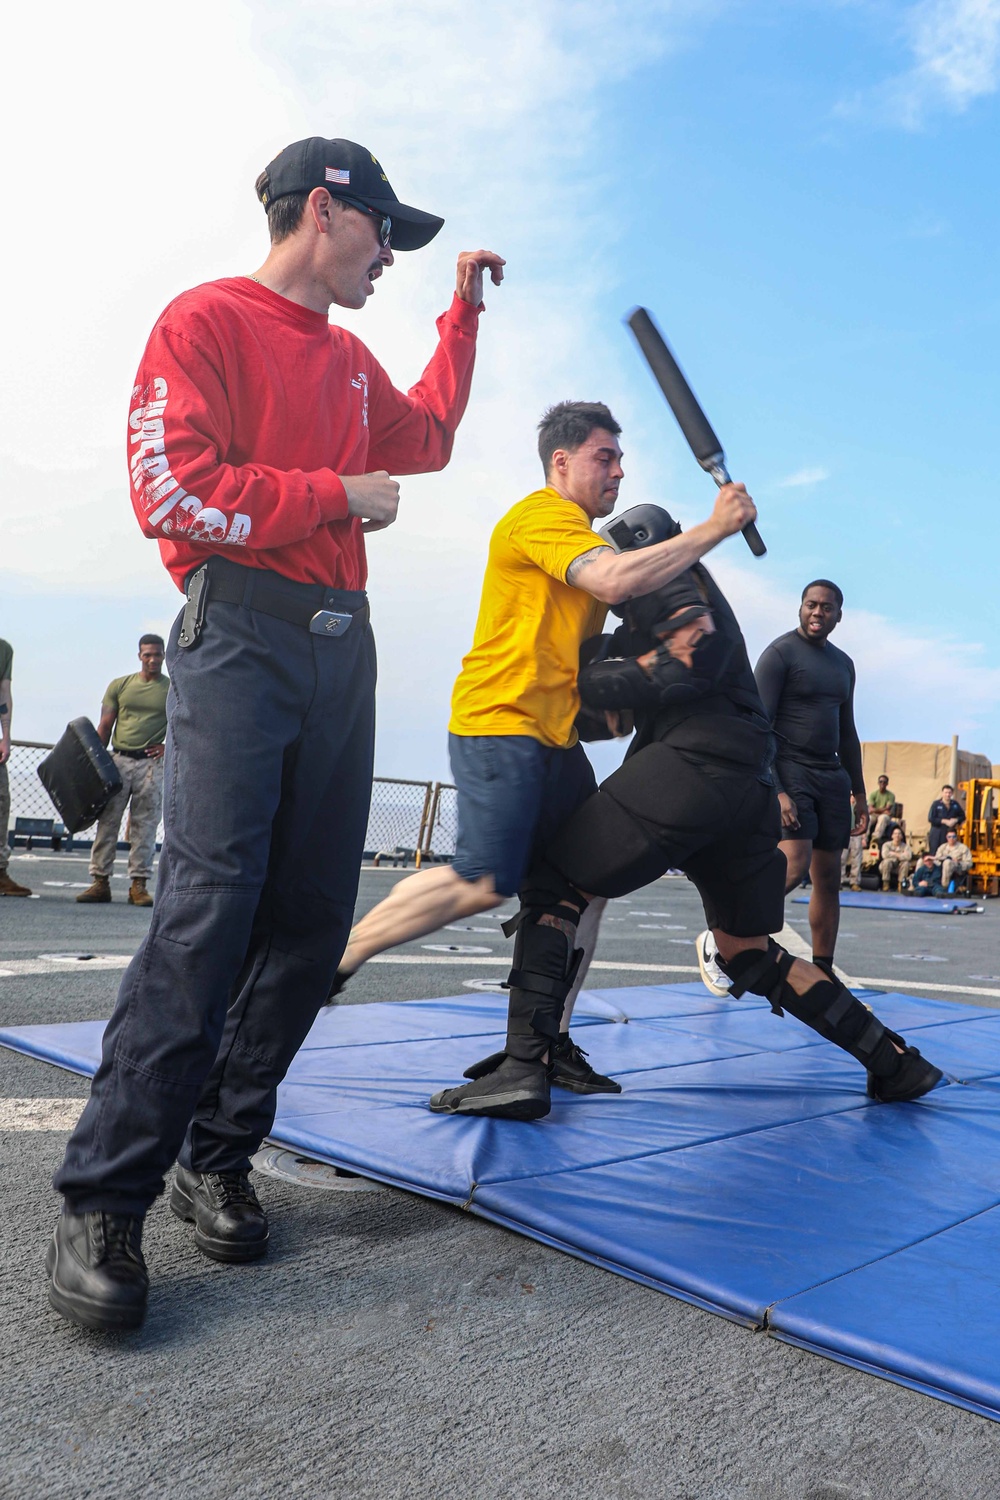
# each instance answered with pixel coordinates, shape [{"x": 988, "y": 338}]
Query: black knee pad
[
  {"x": 828, "y": 1007},
  {"x": 762, "y": 972},
  {"x": 603, "y": 850},
  {"x": 544, "y": 888}
]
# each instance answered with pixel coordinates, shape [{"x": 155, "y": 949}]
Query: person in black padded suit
[
  {"x": 695, "y": 792},
  {"x": 807, "y": 688}
]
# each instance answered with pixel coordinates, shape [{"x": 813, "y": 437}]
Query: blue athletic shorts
[{"x": 513, "y": 793}]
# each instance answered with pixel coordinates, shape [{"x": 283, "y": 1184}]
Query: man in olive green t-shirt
[
  {"x": 8, "y": 887},
  {"x": 880, "y": 806},
  {"x": 134, "y": 712}
]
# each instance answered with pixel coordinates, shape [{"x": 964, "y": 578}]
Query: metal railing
[{"x": 409, "y": 820}]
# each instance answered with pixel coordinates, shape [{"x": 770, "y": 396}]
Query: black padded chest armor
[{"x": 687, "y": 707}]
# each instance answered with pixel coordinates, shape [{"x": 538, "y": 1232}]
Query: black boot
[
  {"x": 97, "y": 1276},
  {"x": 830, "y": 1009},
  {"x": 229, "y": 1223},
  {"x": 571, "y": 1070},
  {"x": 514, "y": 1084},
  {"x": 900, "y": 1076},
  {"x": 505, "y": 1088}
]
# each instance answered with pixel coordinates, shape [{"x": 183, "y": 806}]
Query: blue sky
[{"x": 804, "y": 194}]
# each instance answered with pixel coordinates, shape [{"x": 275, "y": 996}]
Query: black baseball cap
[{"x": 346, "y": 170}]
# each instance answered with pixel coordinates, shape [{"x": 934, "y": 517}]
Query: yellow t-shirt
[{"x": 520, "y": 676}]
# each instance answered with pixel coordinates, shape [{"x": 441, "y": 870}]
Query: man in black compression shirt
[
  {"x": 695, "y": 792},
  {"x": 807, "y": 689}
]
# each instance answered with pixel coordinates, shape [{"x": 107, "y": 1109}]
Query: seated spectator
[
  {"x": 925, "y": 877},
  {"x": 945, "y": 813},
  {"x": 850, "y": 861},
  {"x": 880, "y": 806},
  {"x": 897, "y": 856},
  {"x": 954, "y": 859}
]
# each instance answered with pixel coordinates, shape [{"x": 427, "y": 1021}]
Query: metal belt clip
[
  {"x": 330, "y": 622},
  {"x": 194, "y": 610}
]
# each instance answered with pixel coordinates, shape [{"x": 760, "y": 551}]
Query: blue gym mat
[
  {"x": 742, "y": 1169},
  {"x": 943, "y": 906}
]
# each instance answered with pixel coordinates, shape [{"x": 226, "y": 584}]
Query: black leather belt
[
  {"x": 132, "y": 754},
  {"x": 321, "y": 610}
]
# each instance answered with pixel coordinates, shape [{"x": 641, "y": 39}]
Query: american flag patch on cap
[{"x": 339, "y": 175}]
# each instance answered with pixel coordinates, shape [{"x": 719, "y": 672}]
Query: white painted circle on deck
[{"x": 463, "y": 948}]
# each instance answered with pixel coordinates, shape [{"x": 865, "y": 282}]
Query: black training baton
[{"x": 684, "y": 404}]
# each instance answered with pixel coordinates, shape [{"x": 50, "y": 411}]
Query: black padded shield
[{"x": 79, "y": 775}]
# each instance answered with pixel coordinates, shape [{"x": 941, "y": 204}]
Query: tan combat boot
[
  {"x": 10, "y": 887},
  {"x": 138, "y": 894},
  {"x": 100, "y": 891}
]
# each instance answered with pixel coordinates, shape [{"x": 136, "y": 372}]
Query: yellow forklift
[{"x": 981, "y": 832}]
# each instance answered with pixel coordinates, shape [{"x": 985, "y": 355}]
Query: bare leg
[
  {"x": 798, "y": 853},
  {"x": 824, "y": 903},
  {"x": 586, "y": 938},
  {"x": 418, "y": 905}
]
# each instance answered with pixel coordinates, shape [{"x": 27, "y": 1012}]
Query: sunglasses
[{"x": 385, "y": 222}]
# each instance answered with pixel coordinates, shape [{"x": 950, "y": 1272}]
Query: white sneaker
[{"x": 713, "y": 978}]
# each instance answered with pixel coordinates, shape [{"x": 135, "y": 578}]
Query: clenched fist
[{"x": 373, "y": 497}]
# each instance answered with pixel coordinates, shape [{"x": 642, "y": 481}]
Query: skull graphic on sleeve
[{"x": 209, "y": 525}]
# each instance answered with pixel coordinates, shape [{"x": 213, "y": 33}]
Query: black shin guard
[
  {"x": 545, "y": 966},
  {"x": 830, "y": 1009}
]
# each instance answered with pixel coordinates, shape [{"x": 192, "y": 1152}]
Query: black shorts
[
  {"x": 823, "y": 801},
  {"x": 666, "y": 809}
]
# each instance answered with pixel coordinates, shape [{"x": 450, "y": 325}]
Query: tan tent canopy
[{"x": 917, "y": 773}]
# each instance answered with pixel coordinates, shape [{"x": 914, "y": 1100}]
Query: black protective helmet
[{"x": 644, "y": 526}]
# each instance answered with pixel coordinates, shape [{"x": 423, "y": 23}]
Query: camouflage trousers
[
  {"x": 4, "y": 817},
  {"x": 142, "y": 793}
]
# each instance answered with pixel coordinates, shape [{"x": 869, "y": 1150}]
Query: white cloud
[
  {"x": 803, "y": 477},
  {"x": 162, "y": 119},
  {"x": 954, "y": 46},
  {"x": 155, "y": 123},
  {"x": 957, "y": 48}
]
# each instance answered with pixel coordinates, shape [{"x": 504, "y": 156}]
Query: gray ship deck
[{"x": 393, "y": 1347}]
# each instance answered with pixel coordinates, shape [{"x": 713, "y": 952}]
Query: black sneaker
[
  {"x": 571, "y": 1070},
  {"x": 913, "y": 1077},
  {"x": 229, "y": 1223},
  {"x": 510, "y": 1090},
  {"x": 97, "y": 1276}
]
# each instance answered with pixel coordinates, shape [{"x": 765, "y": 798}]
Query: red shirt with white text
[{"x": 246, "y": 409}]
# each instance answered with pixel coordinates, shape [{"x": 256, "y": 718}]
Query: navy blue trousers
[{"x": 267, "y": 783}]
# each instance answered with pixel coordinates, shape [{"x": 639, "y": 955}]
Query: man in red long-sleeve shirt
[{"x": 261, "y": 440}]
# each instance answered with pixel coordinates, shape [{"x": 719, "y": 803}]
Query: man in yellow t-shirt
[{"x": 516, "y": 759}]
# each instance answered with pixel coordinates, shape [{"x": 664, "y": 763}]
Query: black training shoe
[
  {"x": 229, "y": 1223},
  {"x": 571, "y": 1070},
  {"x": 913, "y": 1076},
  {"x": 97, "y": 1276},
  {"x": 510, "y": 1090}
]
